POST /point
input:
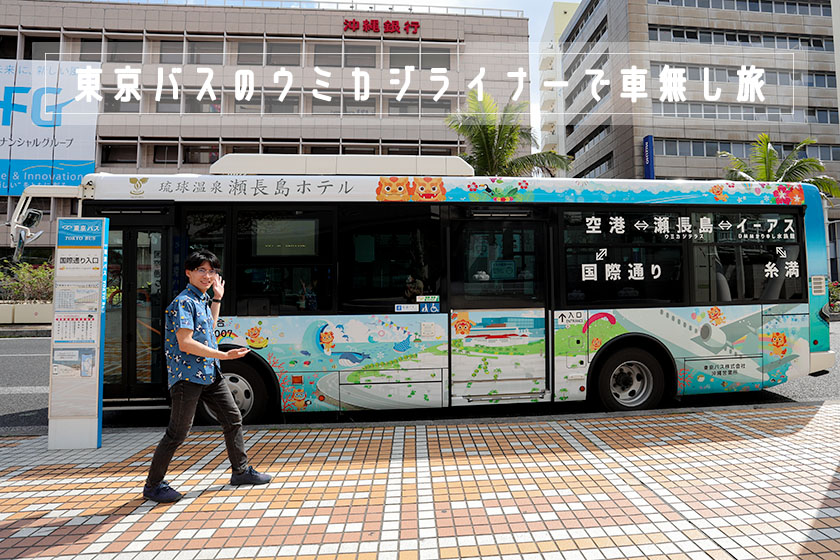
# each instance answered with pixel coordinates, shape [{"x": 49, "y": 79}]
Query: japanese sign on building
[
  {"x": 47, "y": 135},
  {"x": 386, "y": 26}
]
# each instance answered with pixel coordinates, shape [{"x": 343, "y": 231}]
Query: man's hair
[{"x": 197, "y": 258}]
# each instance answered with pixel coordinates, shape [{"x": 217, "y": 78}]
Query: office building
[
  {"x": 791, "y": 41},
  {"x": 317, "y": 48}
]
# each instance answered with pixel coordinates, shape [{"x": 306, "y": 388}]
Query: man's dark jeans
[{"x": 185, "y": 399}]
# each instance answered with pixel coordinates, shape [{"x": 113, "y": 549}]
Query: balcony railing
[{"x": 317, "y": 5}]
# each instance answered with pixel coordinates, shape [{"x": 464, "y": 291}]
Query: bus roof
[{"x": 297, "y": 164}]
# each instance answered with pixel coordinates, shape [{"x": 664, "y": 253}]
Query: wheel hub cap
[{"x": 631, "y": 383}]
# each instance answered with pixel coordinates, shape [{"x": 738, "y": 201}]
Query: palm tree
[
  {"x": 495, "y": 137},
  {"x": 765, "y": 165}
]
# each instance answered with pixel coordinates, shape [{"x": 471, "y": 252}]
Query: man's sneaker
[
  {"x": 249, "y": 476},
  {"x": 163, "y": 493}
]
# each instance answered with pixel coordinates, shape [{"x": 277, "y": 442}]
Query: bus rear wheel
[
  {"x": 632, "y": 379},
  {"x": 248, "y": 390}
]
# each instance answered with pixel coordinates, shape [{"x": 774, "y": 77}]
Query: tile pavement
[{"x": 717, "y": 484}]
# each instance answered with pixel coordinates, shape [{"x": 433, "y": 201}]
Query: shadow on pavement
[
  {"x": 70, "y": 539},
  {"x": 25, "y": 419},
  {"x": 480, "y": 413}
]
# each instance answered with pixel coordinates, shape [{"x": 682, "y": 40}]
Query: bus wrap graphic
[{"x": 349, "y": 362}]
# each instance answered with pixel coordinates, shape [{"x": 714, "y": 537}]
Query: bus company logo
[{"x": 137, "y": 185}]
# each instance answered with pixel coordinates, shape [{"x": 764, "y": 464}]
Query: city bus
[{"x": 386, "y": 283}]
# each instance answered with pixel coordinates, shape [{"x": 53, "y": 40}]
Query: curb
[{"x": 42, "y": 430}]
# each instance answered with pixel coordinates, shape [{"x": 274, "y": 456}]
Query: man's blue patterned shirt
[{"x": 190, "y": 310}]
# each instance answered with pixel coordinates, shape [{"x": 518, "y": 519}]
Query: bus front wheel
[
  {"x": 632, "y": 379},
  {"x": 248, "y": 390}
]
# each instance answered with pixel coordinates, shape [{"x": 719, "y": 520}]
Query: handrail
[{"x": 320, "y": 5}]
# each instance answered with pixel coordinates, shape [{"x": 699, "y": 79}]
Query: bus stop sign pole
[{"x": 78, "y": 333}]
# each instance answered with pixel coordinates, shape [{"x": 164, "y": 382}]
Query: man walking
[{"x": 192, "y": 361}]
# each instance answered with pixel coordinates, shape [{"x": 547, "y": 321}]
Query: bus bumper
[{"x": 821, "y": 362}]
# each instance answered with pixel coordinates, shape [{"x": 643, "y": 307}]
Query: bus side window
[
  {"x": 749, "y": 257},
  {"x": 284, "y": 262},
  {"x": 715, "y": 274},
  {"x": 387, "y": 257}
]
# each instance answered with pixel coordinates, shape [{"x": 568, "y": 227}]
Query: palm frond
[
  {"x": 801, "y": 170},
  {"x": 738, "y": 170},
  {"x": 763, "y": 157},
  {"x": 494, "y": 137},
  {"x": 792, "y": 157},
  {"x": 547, "y": 162},
  {"x": 764, "y": 166}
]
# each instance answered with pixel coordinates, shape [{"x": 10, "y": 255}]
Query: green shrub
[{"x": 26, "y": 282}]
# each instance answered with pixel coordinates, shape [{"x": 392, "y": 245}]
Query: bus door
[
  {"x": 136, "y": 294},
  {"x": 500, "y": 263}
]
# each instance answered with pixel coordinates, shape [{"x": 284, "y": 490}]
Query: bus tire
[
  {"x": 248, "y": 390},
  {"x": 631, "y": 379}
]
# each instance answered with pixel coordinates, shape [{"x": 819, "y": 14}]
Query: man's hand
[
  {"x": 235, "y": 353},
  {"x": 218, "y": 287}
]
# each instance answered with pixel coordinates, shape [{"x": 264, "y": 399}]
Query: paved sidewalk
[{"x": 723, "y": 483}]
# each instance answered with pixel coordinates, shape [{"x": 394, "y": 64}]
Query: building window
[
  {"x": 289, "y": 106},
  {"x": 200, "y": 154},
  {"x": 433, "y": 151},
  {"x": 119, "y": 153},
  {"x": 362, "y": 56},
  {"x": 120, "y": 50},
  {"x": 8, "y": 46},
  {"x": 793, "y": 42},
  {"x": 440, "y": 107},
  {"x": 249, "y": 53},
  {"x": 331, "y": 107},
  {"x": 598, "y": 169},
  {"x": 246, "y": 149},
  {"x": 353, "y": 107},
  {"x": 112, "y": 105},
  {"x": 400, "y": 57},
  {"x": 90, "y": 50},
  {"x": 363, "y": 150},
  {"x": 206, "y": 105},
  {"x": 283, "y": 54},
  {"x": 166, "y": 154},
  {"x": 401, "y": 150},
  {"x": 253, "y": 106},
  {"x": 323, "y": 149},
  {"x": 436, "y": 57},
  {"x": 327, "y": 56},
  {"x": 168, "y": 105},
  {"x": 171, "y": 52},
  {"x": 405, "y": 108},
  {"x": 765, "y": 6},
  {"x": 41, "y": 48},
  {"x": 204, "y": 52},
  {"x": 280, "y": 149}
]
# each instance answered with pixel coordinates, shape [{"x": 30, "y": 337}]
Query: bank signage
[
  {"x": 647, "y": 157},
  {"x": 47, "y": 134}
]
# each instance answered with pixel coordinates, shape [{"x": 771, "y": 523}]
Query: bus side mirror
[{"x": 32, "y": 218}]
